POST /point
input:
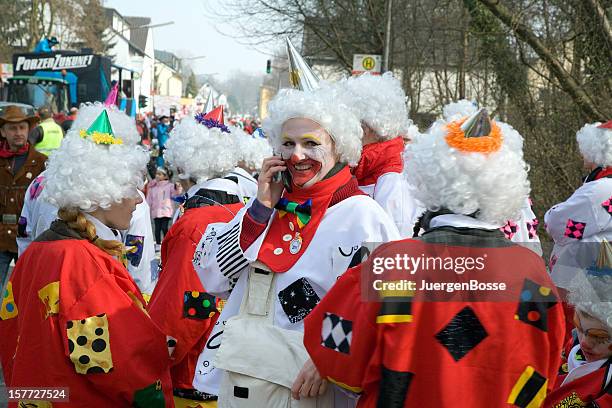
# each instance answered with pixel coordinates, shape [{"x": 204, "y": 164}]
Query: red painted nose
[{"x": 294, "y": 159}]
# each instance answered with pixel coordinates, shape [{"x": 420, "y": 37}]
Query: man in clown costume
[
  {"x": 522, "y": 229},
  {"x": 204, "y": 149},
  {"x": 72, "y": 316},
  {"x": 380, "y": 104},
  {"x": 38, "y": 214},
  {"x": 586, "y": 216},
  {"x": 586, "y": 375},
  {"x": 282, "y": 253},
  {"x": 415, "y": 345}
]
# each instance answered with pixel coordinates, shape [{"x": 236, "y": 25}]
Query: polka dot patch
[
  {"x": 8, "y": 308},
  {"x": 89, "y": 345},
  {"x": 201, "y": 306}
]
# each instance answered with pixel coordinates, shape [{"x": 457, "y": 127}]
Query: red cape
[
  {"x": 78, "y": 322},
  {"x": 416, "y": 353},
  {"x": 178, "y": 295}
]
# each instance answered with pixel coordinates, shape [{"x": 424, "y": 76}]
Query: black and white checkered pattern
[{"x": 336, "y": 333}]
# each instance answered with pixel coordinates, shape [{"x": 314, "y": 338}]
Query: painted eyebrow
[{"x": 305, "y": 136}]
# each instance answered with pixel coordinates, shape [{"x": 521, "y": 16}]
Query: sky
[{"x": 194, "y": 34}]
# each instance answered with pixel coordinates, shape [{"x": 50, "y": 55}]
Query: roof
[
  {"x": 138, "y": 36},
  {"x": 109, "y": 12},
  {"x": 169, "y": 59}
]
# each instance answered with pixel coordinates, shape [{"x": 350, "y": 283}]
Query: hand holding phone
[{"x": 269, "y": 190}]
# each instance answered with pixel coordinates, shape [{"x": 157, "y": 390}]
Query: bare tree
[{"x": 579, "y": 95}]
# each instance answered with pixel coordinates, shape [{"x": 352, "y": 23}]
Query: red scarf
[
  {"x": 275, "y": 252},
  {"x": 378, "y": 159},
  {"x": 5, "y": 149}
]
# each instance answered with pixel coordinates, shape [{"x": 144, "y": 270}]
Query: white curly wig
[
  {"x": 595, "y": 144},
  {"x": 591, "y": 289},
  {"x": 457, "y": 110},
  {"x": 327, "y": 107},
  {"x": 200, "y": 152},
  {"x": 592, "y": 295},
  {"x": 492, "y": 185},
  {"x": 84, "y": 175},
  {"x": 380, "y": 102},
  {"x": 252, "y": 149}
]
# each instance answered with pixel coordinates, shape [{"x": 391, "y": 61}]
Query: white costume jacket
[
  {"x": 586, "y": 217},
  {"x": 393, "y": 194}
]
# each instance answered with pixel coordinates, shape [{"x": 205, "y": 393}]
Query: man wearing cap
[
  {"x": 20, "y": 163},
  {"x": 48, "y": 135}
]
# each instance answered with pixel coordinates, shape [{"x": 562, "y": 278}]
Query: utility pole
[{"x": 387, "y": 49}]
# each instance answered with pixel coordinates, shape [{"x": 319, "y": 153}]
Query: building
[
  {"x": 143, "y": 57},
  {"x": 167, "y": 80},
  {"x": 167, "y": 83},
  {"x": 133, "y": 52}
]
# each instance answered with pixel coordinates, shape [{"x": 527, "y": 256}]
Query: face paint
[
  {"x": 303, "y": 171},
  {"x": 595, "y": 340},
  {"x": 308, "y": 151}
]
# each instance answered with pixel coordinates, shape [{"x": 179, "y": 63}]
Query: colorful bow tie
[{"x": 303, "y": 211}]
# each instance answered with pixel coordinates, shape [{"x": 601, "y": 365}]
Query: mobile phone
[
  {"x": 284, "y": 176},
  {"x": 287, "y": 181}
]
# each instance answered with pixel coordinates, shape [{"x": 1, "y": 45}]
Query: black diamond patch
[
  {"x": 462, "y": 334},
  {"x": 298, "y": 300},
  {"x": 336, "y": 333},
  {"x": 534, "y": 304}
]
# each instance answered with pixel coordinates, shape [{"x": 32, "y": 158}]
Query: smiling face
[
  {"x": 308, "y": 150},
  {"x": 595, "y": 339}
]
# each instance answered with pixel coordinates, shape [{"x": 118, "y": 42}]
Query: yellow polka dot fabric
[
  {"x": 89, "y": 345},
  {"x": 8, "y": 308}
]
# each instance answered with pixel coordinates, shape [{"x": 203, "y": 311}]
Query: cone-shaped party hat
[
  {"x": 300, "y": 73},
  {"x": 111, "y": 98},
  {"x": 101, "y": 131},
  {"x": 475, "y": 134},
  {"x": 210, "y": 105},
  {"x": 213, "y": 119},
  {"x": 477, "y": 125}
]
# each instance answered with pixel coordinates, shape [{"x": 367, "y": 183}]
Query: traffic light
[
  {"x": 269, "y": 67},
  {"x": 142, "y": 101}
]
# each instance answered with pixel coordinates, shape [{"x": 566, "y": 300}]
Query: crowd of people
[{"x": 346, "y": 259}]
